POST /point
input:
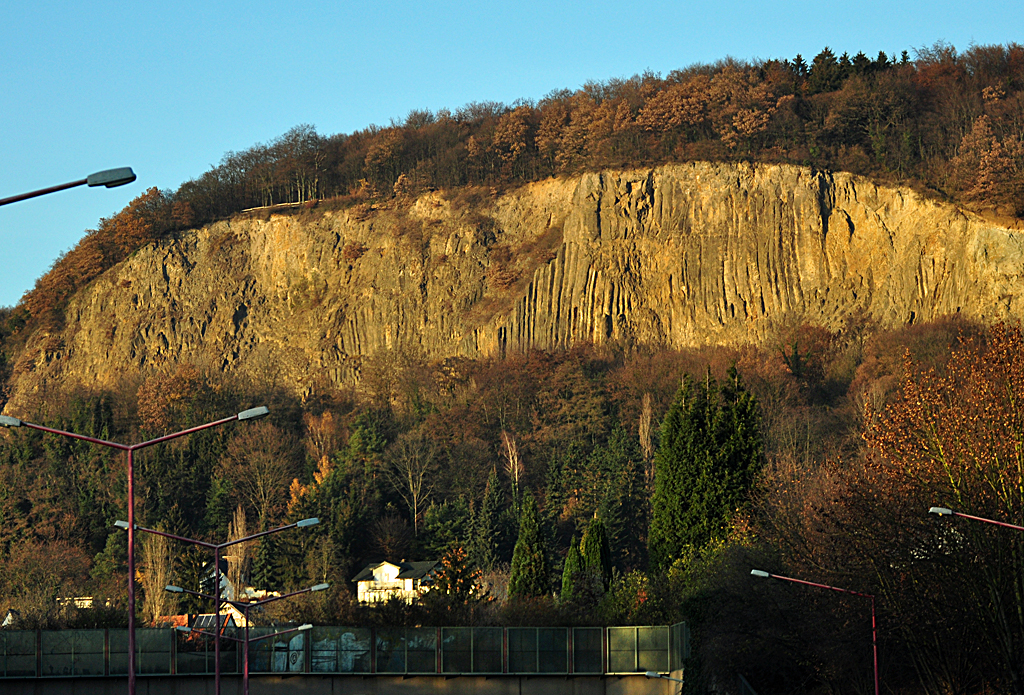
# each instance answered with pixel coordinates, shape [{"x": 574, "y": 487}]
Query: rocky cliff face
[{"x": 677, "y": 256}]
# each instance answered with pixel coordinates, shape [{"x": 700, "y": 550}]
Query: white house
[{"x": 380, "y": 581}]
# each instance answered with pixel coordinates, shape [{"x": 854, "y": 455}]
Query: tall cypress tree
[
  {"x": 596, "y": 553},
  {"x": 529, "y": 572},
  {"x": 573, "y": 566},
  {"x": 711, "y": 450}
]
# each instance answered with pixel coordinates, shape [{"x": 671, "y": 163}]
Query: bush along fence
[{"x": 330, "y": 650}]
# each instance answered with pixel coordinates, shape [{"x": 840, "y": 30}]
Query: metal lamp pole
[
  {"x": 216, "y": 548},
  {"x": 942, "y": 511},
  {"x": 111, "y": 178},
  {"x": 130, "y": 449},
  {"x": 245, "y": 680},
  {"x": 874, "y": 629},
  {"x": 245, "y": 607}
]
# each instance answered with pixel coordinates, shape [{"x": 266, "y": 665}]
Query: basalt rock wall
[{"x": 681, "y": 255}]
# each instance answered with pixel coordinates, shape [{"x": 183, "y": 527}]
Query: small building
[{"x": 380, "y": 581}]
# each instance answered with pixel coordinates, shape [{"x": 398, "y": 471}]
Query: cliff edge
[{"x": 675, "y": 256}]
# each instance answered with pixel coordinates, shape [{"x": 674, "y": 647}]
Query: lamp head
[
  {"x": 111, "y": 177},
  {"x": 306, "y": 626},
  {"x": 254, "y": 413},
  {"x": 8, "y": 421},
  {"x": 312, "y": 521},
  {"x": 652, "y": 674},
  {"x": 182, "y": 628},
  {"x": 121, "y": 524},
  {"x": 173, "y": 589},
  {"x": 941, "y": 511},
  {"x": 320, "y": 587},
  {"x": 760, "y": 573}
]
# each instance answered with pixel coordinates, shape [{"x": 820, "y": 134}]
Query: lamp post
[
  {"x": 245, "y": 607},
  {"x": 110, "y": 178},
  {"x": 130, "y": 449},
  {"x": 216, "y": 548},
  {"x": 874, "y": 630},
  {"x": 943, "y": 511}
]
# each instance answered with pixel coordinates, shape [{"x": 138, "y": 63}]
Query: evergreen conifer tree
[
  {"x": 596, "y": 553},
  {"x": 572, "y": 567},
  {"x": 487, "y": 525},
  {"x": 711, "y": 450},
  {"x": 529, "y": 573},
  {"x": 263, "y": 573}
]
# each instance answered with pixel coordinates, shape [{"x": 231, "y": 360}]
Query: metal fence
[{"x": 398, "y": 651}]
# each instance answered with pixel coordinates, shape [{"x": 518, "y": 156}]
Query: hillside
[
  {"x": 747, "y": 315},
  {"x": 677, "y": 256}
]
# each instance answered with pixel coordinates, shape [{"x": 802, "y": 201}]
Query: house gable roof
[{"x": 406, "y": 570}]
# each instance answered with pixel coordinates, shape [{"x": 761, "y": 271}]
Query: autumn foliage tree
[
  {"x": 955, "y": 438},
  {"x": 949, "y": 589}
]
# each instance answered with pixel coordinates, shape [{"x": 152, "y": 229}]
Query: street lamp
[
  {"x": 217, "y": 547},
  {"x": 111, "y": 178},
  {"x": 943, "y": 511},
  {"x": 874, "y": 631},
  {"x": 130, "y": 449},
  {"x": 244, "y": 607}
]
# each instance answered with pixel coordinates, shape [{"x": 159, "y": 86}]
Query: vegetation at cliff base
[{"x": 594, "y": 486}]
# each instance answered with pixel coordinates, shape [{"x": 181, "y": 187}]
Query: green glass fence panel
[
  {"x": 652, "y": 649},
  {"x": 118, "y": 658},
  {"x": 88, "y": 657},
  {"x": 487, "y": 643},
  {"x": 261, "y": 649},
  {"x": 621, "y": 649},
  {"x": 279, "y": 654},
  {"x": 390, "y": 651},
  {"x": 340, "y": 650},
  {"x": 586, "y": 650},
  {"x": 295, "y": 645},
  {"x": 522, "y": 650},
  {"x": 456, "y": 649},
  {"x": 193, "y": 653},
  {"x": 155, "y": 647},
  {"x": 679, "y": 646},
  {"x": 19, "y": 653},
  {"x": 421, "y": 650},
  {"x": 57, "y": 653},
  {"x": 553, "y": 650}
]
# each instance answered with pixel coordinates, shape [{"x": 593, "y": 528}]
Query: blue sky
[{"x": 168, "y": 88}]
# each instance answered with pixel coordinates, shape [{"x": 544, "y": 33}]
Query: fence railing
[{"x": 396, "y": 651}]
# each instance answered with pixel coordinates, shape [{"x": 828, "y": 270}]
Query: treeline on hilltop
[
  {"x": 594, "y": 486},
  {"x": 946, "y": 121}
]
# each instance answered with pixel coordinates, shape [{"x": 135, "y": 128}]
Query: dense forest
[
  {"x": 611, "y": 484},
  {"x": 604, "y": 485}
]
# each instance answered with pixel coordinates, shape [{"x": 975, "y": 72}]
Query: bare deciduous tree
[
  {"x": 240, "y": 555},
  {"x": 410, "y": 462},
  {"x": 260, "y": 463},
  {"x": 156, "y": 574},
  {"x": 513, "y": 464},
  {"x": 646, "y": 442}
]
